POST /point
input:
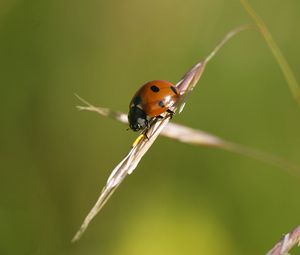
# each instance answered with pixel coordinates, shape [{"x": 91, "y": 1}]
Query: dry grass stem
[
  {"x": 287, "y": 242},
  {"x": 146, "y": 139},
  {"x": 198, "y": 137},
  {"x": 125, "y": 167}
]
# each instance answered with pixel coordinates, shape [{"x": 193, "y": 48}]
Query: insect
[{"x": 151, "y": 100}]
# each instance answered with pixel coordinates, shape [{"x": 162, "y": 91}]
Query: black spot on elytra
[
  {"x": 154, "y": 88},
  {"x": 137, "y": 100},
  {"x": 173, "y": 89},
  {"x": 161, "y": 104}
]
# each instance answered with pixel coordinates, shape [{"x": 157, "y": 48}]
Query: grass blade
[
  {"x": 283, "y": 64},
  {"x": 142, "y": 144},
  {"x": 198, "y": 137}
]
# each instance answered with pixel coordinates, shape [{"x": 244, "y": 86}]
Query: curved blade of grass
[
  {"x": 144, "y": 141},
  {"x": 283, "y": 64}
]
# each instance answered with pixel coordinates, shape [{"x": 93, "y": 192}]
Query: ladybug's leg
[
  {"x": 145, "y": 134},
  {"x": 171, "y": 113}
]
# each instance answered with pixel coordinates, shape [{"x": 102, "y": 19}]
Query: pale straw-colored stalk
[
  {"x": 199, "y": 137},
  {"x": 145, "y": 140},
  {"x": 286, "y": 243}
]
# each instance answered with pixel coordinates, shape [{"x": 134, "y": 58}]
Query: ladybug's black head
[{"x": 137, "y": 118}]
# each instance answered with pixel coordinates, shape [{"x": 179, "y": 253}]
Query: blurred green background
[{"x": 181, "y": 199}]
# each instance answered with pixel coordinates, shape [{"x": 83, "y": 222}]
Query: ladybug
[{"x": 151, "y": 100}]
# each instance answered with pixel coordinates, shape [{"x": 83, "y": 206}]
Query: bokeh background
[{"x": 181, "y": 199}]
